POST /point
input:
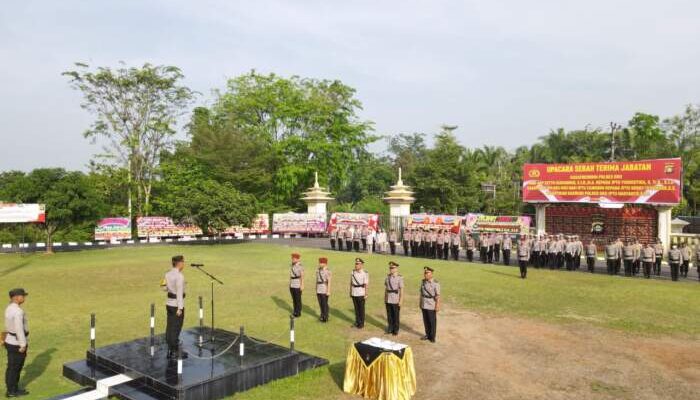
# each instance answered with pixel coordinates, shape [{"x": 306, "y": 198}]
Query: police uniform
[
  {"x": 674, "y": 261},
  {"x": 579, "y": 251},
  {"x": 648, "y": 259},
  {"x": 685, "y": 262},
  {"x": 523, "y": 257},
  {"x": 433, "y": 244},
  {"x": 323, "y": 288},
  {"x": 570, "y": 249},
  {"x": 507, "y": 244},
  {"x": 175, "y": 292},
  {"x": 496, "y": 248},
  {"x": 356, "y": 237},
  {"x": 470, "y": 244},
  {"x": 439, "y": 246},
  {"x": 363, "y": 237},
  {"x": 552, "y": 254},
  {"x": 637, "y": 263},
  {"x": 296, "y": 284},
  {"x": 359, "y": 279},
  {"x": 446, "y": 239},
  {"x": 697, "y": 261},
  {"x": 591, "y": 252},
  {"x": 393, "y": 290},
  {"x": 333, "y": 235},
  {"x": 429, "y": 298},
  {"x": 349, "y": 233},
  {"x": 659, "y": 253},
  {"x": 628, "y": 256},
  {"x": 456, "y": 242},
  {"x": 17, "y": 329},
  {"x": 392, "y": 242},
  {"x": 406, "y": 241},
  {"x": 612, "y": 255}
]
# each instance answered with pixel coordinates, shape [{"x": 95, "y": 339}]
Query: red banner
[{"x": 639, "y": 182}]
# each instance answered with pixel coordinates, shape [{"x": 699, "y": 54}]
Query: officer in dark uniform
[
  {"x": 429, "y": 303},
  {"x": 174, "y": 285},
  {"x": 393, "y": 298}
]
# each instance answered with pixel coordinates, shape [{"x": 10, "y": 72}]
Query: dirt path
[{"x": 483, "y": 357}]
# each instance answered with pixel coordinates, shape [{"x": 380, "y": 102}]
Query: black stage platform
[{"x": 203, "y": 377}]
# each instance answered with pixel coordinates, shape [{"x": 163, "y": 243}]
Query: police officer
[
  {"x": 433, "y": 243},
  {"x": 393, "y": 238},
  {"x": 174, "y": 286},
  {"x": 496, "y": 247},
  {"x": 358, "y": 235},
  {"x": 674, "y": 261},
  {"x": 296, "y": 283},
  {"x": 570, "y": 249},
  {"x": 323, "y": 287},
  {"x": 333, "y": 235},
  {"x": 439, "y": 244},
  {"x": 16, "y": 331},
  {"x": 552, "y": 253},
  {"x": 648, "y": 259},
  {"x": 363, "y": 237},
  {"x": 393, "y": 298},
  {"x": 579, "y": 251},
  {"x": 591, "y": 252},
  {"x": 490, "y": 242},
  {"x": 429, "y": 303},
  {"x": 349, "y": 233},
  {"x": 446, "y": 240},
  {"x": 456, "y": 242},
  {"x": 406, "y": 240},
  {"x": 340, "y": 236},
  {"x": 659, "y": 254},
  {"x": 612, "y": 255},
  {"x": 470, "y": 244},
  {"x": 523, "y": 257},
  {"x": 628, "y": 253},
  {"x": 506, "y": 245},
  {"x": 685, "y": 261},
  {"x": 359, "y": 282},
  {"x": 697, "y": 261}
]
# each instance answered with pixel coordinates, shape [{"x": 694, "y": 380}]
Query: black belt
[
  {"x": 358, "y": 285},
  {"x": 321, "y": 282},
  {"x": 26, "y": 334},
  {"x": 392, "y": 291},
  {"x": 174, "y": 296}
]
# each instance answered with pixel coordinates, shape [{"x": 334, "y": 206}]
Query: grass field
[{"x": 119, "y": 285}]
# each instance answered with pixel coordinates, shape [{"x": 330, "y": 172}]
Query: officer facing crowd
[
  {"x": 174, "y": 286},
  {"x": 359, "y": 282},
  {"x": 296, "y": 283},
  {"x": 393, "y": 298},
  {"x": 429, "y": 303},
  {"x": 323, "y": 287},
  {"x": 15, "y": 340},
  {"x": 523, "y": 257},
  {"x": 674, "y": 260}
]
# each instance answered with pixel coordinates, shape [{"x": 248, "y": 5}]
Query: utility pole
[{"x": 613, "y": 127}]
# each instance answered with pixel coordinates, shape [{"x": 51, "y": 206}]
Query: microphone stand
[{"x": 213, "y": 279}]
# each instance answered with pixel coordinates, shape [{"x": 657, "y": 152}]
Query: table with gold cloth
[{"x": 380, "y": 373}]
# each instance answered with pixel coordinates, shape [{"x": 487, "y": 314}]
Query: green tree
[{"x": 136, "y": 110}]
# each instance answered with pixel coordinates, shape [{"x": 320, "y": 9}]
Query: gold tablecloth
[{"x": 388, "y": 377}]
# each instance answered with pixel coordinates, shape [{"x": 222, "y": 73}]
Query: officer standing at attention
[
  {"x": 429, "y": 303},
  {"x": 628, "y": 256},
  {"x": 393, "y": 238},
  {"x": 697, "y": 261},
  {"x": 393, "y": 298},
  {"x": 296, "y": 283},
  {"x": 456, "y": 242},
  {"x": 470, "y": 244},
  {"x": 446, "y": 240},
  {"x": 332, "y": 238},
  {"x": 648, "y": 259},
  {"x": 591, "y": 252},
  {"x": 659, "y": 250},
  {"x": 174, "y": 285},
  {"x": 523, "y": 257},
  {"x": 506, "y": 245},
  {"x": 16, "y": 331},
  {"x": 496, "y": 247},
  {"x": 612, "y": 254},
  {"x": 406, "y": 241},
  {"x": 359, "y": 282},
  {"x": 674, "y": 261},
  {"x": 323, "y": 287},
  {"x": 685, "y": 261}
]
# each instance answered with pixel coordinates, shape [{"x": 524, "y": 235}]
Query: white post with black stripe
[
  {"x": 291, "y": 333},
  {"x": 201, "y": 321},
  {"x": 241, "y": 346},
  {"x": 153, "y": 329}
]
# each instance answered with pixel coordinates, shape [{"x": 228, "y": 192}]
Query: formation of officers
[
  {"x": 629, "y": 256},
  {"x": 358, "y": 289}
]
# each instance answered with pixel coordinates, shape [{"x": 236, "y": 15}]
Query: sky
[{"x": 504, "y": 72}]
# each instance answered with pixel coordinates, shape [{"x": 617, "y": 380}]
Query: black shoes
[
  {"x": 17, "y": 393},
  {"x": 424, "y": 338}
]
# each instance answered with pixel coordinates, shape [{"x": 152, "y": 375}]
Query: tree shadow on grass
[
  {"x": 15, "y": 268},
  {"x": 38, "y": 366},
  {"x": 502, "y": 274},
  {"x": 334, "y": 312}
]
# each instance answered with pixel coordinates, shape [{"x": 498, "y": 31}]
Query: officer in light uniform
[
  {"x": 470, "y": 244},
  {"x": 359, "y": 283},
  {"x": 323, "y": 287},
  {"x": 659, "y": 253},
  {"x": 523, "y": 257},
  {"x": 497, "y": 247},
  {"x": 675, "y": 258},
  {"x": 552, "y": 253},
  {"x": 535, "y": 252},
  {"x": 439, "y": 247},
  {"x": 433, "y": 243},
  {"x": 591, "y": 252},
  {"x": 628, "y": 253},
  {"x": 570, "y": 250},
  {"x": 333, "y": 236},
  {"x": 406, "y": 241},
  {"x": 685, "y": 261},
  {"x": 174, "y": 286},
  {"x": 506, "y": 244},
  {"x": 296, "y": 283},
  {"x": 349, "y": 233},
  {"x": 16, "y": 333},
  {"x": 697, "y": 261},
  {"x": 393, "y": 298},
  {"x": 648, "y": 259},
  {"x": 393, "y": 238},
  {"x": 612, "y": 255},
  {"x": 429, "y": 303},
  {"x": 357, "y": 236},
  {"x": 637, "y": 263},
  {"x": 455, "y": 244}
]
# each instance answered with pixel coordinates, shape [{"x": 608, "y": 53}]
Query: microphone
[{"x": 196, "y": 265}]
